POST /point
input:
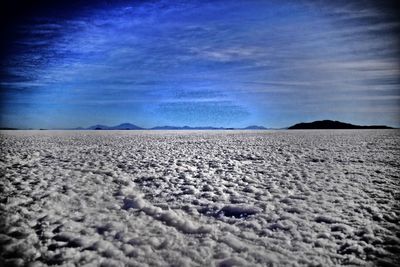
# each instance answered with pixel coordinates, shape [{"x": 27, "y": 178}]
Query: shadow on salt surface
[{"x": 232, "y": 211}]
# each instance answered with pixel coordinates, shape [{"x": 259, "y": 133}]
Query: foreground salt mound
[
  {"x": 169, "y": 217},
  {"x": 316, "y": 198}
]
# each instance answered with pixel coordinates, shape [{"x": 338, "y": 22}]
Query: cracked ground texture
[{"x": 200, "y": 198}]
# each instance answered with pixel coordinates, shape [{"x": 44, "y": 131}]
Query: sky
[{"x": 199, "y": 63}]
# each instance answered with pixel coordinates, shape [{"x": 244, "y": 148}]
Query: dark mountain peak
[{"x": 329, "y": 124}]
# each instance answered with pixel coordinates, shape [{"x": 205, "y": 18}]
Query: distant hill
[
  {"x": 255, "y": 127},
  {"x": 98, "y": 127},
  {"x": 126, "y": 126},
  {"x": 328, "y": 124},
  {"x": 7, "y": 128},
  {"x": 123, "y": 126}
]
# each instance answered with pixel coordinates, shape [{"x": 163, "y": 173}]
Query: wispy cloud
[{"x": 219, "y": 59}]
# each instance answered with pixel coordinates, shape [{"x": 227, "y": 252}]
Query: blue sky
[{"x": 200, "y": 63}]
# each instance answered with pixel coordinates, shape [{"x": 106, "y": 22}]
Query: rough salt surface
[{"x": 240, "y": 198}]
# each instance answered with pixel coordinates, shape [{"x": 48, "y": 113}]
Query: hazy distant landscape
[
  {"x": 315, "y": 125},
  {"x": 200, "y": 198}
]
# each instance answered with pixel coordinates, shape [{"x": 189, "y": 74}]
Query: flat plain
[{"x": 200, "y": 198}]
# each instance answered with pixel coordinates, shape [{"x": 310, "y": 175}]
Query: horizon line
[{"x": 188, "y": 127}]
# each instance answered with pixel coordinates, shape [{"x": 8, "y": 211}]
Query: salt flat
[{"x": 200, "y": 198}]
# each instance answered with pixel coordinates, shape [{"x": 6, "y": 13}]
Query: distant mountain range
[
  {"x": 129, "y": 126},
  {"x": 324, "y": 124},
  {"x": 328, "y": 124},
  {"x": 123, "y": 126}
]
